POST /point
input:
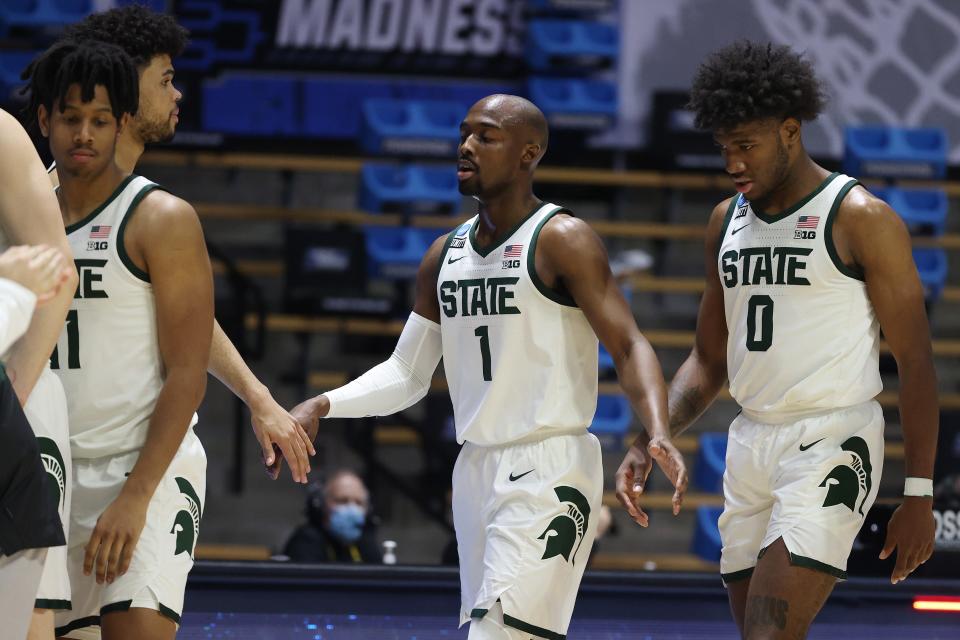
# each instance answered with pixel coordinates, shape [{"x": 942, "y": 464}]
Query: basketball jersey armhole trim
[
  {"x": 448, "y": 242},
  {"x": 726, "y": 223},
  {"x": 121, "y": 245},
  {"x": 483, "y": 253},
  {"x": 541, "y": 286},
  {"x": 93, "y": 214},
  {"x": 856, "y": 274}
]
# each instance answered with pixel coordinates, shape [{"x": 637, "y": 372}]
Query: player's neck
[
  {"x": 78, "y": 196},
  {"x": 805, "y": 176},
  {"x": 129, "y": 150},
  {"x": 501, "y": 213}
]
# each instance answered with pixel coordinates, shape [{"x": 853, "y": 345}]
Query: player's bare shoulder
[{"x": 564, "y": 233}]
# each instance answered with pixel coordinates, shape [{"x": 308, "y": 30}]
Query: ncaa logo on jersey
[{"x": 741, "y": 208}]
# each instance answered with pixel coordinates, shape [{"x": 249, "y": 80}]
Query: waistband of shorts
[
  {"x": 778, "y": 418},
  {"x": 537, "y": 436}
]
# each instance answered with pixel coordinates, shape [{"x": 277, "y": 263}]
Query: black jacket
[
  {"x": 28, "y": 506},
  {"x": 310, "y": 543}
]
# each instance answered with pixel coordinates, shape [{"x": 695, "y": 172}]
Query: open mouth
[
  {"x": 465, "y": 169},
  {"x": 743, "y": 186}
]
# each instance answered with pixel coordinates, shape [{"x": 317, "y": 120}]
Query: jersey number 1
[
  {"x": 483, "y": 332},
  {"x": 73, "y": 344},
  {"x": 759, "y": 335}
]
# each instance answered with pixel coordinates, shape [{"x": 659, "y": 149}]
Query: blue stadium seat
[
  {"x": 12, "y": 64},
  {"x": 254, "y": 105},
  {"x": 408, "y": 188},
  {"x": 42, "y": 13},
  {"x": 923, "y": 210},
  {"x": 571, "y": 44},
  {"x": 394, "y": 252},
  {"x": 711, "y": 462},
  {"x": 932, "y": 267},
  {"x": 706, "y": 536},
  {"x": 572, "y": 103},
  {"x": 895, "y": 152},
  {"x": 411, "y": 127},
  {"x": 612, "y": 420}
]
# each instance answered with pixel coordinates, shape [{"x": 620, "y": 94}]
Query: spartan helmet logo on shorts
[
  {"x": 845, "y": 482},
  {"x": 187, "y": 523},
  {"x": 53, "y": 464},
  {"x": 567, "y": 530}
]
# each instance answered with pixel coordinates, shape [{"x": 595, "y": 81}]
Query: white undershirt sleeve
[
  {"x": 16, "y": 309},
  {"x": 399, "y": 382}
]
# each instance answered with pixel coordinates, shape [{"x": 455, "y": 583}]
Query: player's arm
[
  {"x": 29, "y": 277},
  {"x": 694, "y": 386},
  {"x": 30, "y": 215},
  {"x": 271, "y": 422},
  {"x": 404, "y": 378},
  {"x": 879, "y": 244},
  {"x": 700, "y": 378},
  {"x": 165, "y": 234},
  {"x": 571, "y": 255}
]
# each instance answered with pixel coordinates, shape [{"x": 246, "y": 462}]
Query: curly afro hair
[
  {"x": 748, "y": 81},
  {"x": 142, "y": 33},
  {"x": 85, "y": 63}
]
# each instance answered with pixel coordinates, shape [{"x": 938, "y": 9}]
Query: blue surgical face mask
[{"x": 346, "y": 522}]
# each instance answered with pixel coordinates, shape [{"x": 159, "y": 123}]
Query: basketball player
[
  {"x": 27, "y": 363},
  {"x": 31, "y": 526},
  {"x": 514, "y": 301},
  {"x": 804, "y": 267},
  {"x": 153, "y": 40},
  {"x": 132, "y": 357}
]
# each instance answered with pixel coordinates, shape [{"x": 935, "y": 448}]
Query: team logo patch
[
  {"x": 186, "y": 525},
  {"x": 53, "y": 465},
  {"x": 845, "y": 482},
  {"x": 568, "y": 529},
  {"x": 741, "y": 208}
]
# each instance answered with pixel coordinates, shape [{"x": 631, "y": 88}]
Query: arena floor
[{"x": 267, "y": 601}]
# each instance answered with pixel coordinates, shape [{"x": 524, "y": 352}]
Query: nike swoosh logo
[
  {"x": 514, "y": 478},
  {"x": 735, "y": 231},
  {"x": 805, "y": 447},
  {"x": 451, "y": 260}
]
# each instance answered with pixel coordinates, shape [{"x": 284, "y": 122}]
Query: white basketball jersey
[
  {"x": 108, "y": 355},
  {"x": 518, "y": 356},
  {"x": 803, "y": 336}
]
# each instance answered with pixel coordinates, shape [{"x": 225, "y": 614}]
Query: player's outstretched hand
[
  {"x": 41, "y": 269},
  {"x": 632, "y": 476},
  {"x": 281, "y": 436},
  {"x": 668, "y": 458},
  {"x": 911, "y": 532},
  {"x": 115, "y": 537}
]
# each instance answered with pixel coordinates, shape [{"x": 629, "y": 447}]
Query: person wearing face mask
[{"x": 338, "y": 527}]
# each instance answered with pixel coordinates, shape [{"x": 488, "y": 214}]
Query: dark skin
[
  {"x": 869, "y": 236},
  {"x": 502, "y": 140}
]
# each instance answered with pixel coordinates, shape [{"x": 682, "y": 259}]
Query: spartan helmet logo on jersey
[
  {"x": 53, "y": 464},
  {"x": 567, "y": 530},
  {"x": 187, "y": 523},
  {"x": 844, "y": 483}
]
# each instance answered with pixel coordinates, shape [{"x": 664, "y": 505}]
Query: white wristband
[{"x": 921, "y": 487}]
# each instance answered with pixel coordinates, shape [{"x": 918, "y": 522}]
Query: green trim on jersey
[
  {"x": 123, "y": 605},
  {"x": 79, "y": 623},
  {"x": 478, "y": 613},
  {"x": 3, "y": 372},
  {"x": 449, "y": 241},
  {"x": 541, "y": 286},
  {"x": 856, "y": 274},
  {"x": 121, "y": 246},
  {"x": 816, "y": 565},
  {"x": 728, "y": 216},
  {"x": 496, "y": 245},
  {"x": 53, "y": 604},
  {"x": 736, "y": 576},
  {"x": 526, "y": 627},
  {"x": 777, "y": 217},
  {"x": 170, "y": 613},
  {"x": 93, "y": 214}
]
